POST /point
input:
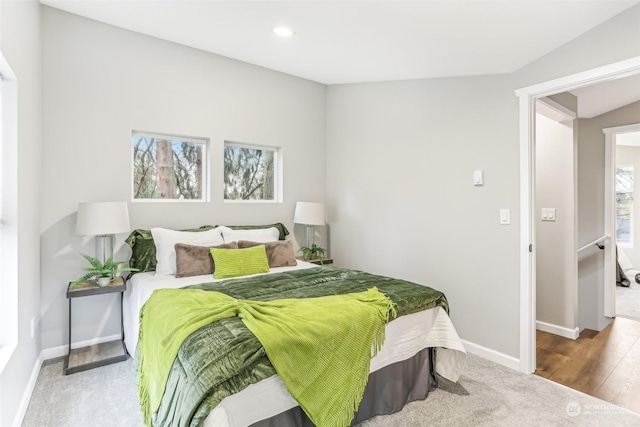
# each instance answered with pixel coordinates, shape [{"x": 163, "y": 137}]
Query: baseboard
[
  {"x": 28, "y": 391},
  {"x": 63, "y": 350},
  {"x": 492, "y": 355},
  {"x": 558, "y": 330}
]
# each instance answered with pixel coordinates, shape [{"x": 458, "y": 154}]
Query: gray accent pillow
[
  {"x": 279, "y": 254},
  {"x": 196, "y": 260}
]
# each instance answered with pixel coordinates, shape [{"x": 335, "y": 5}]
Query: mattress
[{"x": 406, "y": 336}]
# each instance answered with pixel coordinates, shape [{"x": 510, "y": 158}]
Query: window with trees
[
  {"x": 251, "y": 172},
  {"x": 624, "y": 205},
  {"x": 169, "y": 167}
]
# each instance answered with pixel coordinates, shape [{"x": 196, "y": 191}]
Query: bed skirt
[{"x": 388, "y": 390}]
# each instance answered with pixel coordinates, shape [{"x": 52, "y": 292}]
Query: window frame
[
  {"x": 206, "y": 167},
  {"x": 277, "y": 169}
]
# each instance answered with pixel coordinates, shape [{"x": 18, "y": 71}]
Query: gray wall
[
  {"x": 100, "y": 83},
  {"x": 591, "y": 145},
  {"x": 401, "y": 157},
  {"x": 402, "y": 198},
  {"x": 556, "y": 269},
  {"x": 20, "y": 44}
]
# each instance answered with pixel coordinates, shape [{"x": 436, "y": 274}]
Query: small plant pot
[{"x": 103, "y": 281}]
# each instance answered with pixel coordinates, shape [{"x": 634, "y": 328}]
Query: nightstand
[
  {"x": 81, "y": 359},
  {"x": 323, "y": 261}
]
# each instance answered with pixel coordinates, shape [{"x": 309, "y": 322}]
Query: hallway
[{"x": 604, "y": 365}]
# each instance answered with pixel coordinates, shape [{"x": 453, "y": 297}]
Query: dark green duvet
[{"x": 223, "y": 358}]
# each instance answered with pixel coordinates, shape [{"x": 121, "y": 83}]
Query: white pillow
[
  {"x": 165, "y": 241},
  {"x": 260, "y": 235}
]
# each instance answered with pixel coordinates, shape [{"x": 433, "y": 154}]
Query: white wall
[
  {"x": 20, "y": 44},
  {"x": 556, "y": 270},
  {"x": 400, "y": 157},
  {"x": 591, "y": 143},
  {"x": 100, "y": 83}
]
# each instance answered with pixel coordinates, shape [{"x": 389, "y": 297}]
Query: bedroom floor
[
  {"x": 605, "y": 365},
  {"x": 487, "y": 394}
]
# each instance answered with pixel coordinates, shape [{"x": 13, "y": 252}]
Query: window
[
  {"x": 167, "y": 167},
  {"x": 251, "y": 173},
  {"x": 624, "y": 206},
  {"x": 8, "y": 212}
]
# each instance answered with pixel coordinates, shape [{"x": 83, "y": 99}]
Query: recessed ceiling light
[{"x": 283, "y": 31}]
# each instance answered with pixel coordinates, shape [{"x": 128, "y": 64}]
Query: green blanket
[
  {"x": 321, "y": 347},
  {"x": 224, "y": 357}
]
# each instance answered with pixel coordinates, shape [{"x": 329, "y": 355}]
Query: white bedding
[{"x": 405, "y": 337}]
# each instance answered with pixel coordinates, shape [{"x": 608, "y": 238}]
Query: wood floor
[{"x": 605, "y": 364}]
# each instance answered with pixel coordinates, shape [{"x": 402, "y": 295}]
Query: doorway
[
  {"x": 555, "y": 217},
  {"x": 527, "y": 98},
  {"x": 623, "y": 144}
]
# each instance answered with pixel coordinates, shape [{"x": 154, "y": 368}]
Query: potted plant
[
  {"x": 104, "y": 272},
  {"x": 313, "y": 252}
]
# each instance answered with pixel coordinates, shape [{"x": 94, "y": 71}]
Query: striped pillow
[{"x": 239, "y": 262}]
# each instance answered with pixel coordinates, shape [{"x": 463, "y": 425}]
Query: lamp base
[
  {"x": 104, "y": 247},
  {"x": 310, "y": 234}
]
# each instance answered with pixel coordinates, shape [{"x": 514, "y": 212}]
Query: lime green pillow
[{"x": 239, "y": 262}]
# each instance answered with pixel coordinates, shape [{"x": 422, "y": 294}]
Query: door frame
[
  {"x": 527, "y": 97},
  {"x": 610, "y": 208}
]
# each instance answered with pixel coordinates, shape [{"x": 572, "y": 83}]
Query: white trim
[
  {"x": 28, "y": 391},
  {"x": 62, "y": 350},
  {"x": 622, "y": 129},
  {"x": 626, "y": 68},
  {"x": 527, "y": 260},
  {"x": 558, "y": 330},
  {"x": 491, "y": 355},
  {"x": 527, "y": 97}
]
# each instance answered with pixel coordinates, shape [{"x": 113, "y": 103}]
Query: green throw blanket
[
  {"x": 321, "y": 347},
  {"x": 224, "y": 357}
]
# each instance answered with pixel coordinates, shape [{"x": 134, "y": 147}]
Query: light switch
[
  {"x": 478, "y": 178},
  {"x": 505, "y": 217},
  {"x": 548, "y": 214}
]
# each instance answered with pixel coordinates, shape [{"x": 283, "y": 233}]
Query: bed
[{"x": 417, "y": 346}]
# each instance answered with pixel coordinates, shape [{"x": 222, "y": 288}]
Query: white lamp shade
[
  {"x": 98, "y": 218},
  {"x": 309, "y": 213}
]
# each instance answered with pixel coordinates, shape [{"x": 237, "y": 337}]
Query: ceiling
[
  {"x": 631, "y": 139},
  {"x": 600, "y": 98},
  {"x": 338, "y": 42},
  {"x": 361, "y": 41}
]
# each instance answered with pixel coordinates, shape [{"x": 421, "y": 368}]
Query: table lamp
[
  {"x": 103, "y": 219},
  {"x": 309, "y": 214}
]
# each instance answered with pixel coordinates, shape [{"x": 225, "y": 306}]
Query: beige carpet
[{"x": 486, "y": 395}]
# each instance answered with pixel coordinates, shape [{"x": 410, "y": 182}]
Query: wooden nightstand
[
  {"x": 323, "y": 261},
  {"x": 81, "y": 359}
]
